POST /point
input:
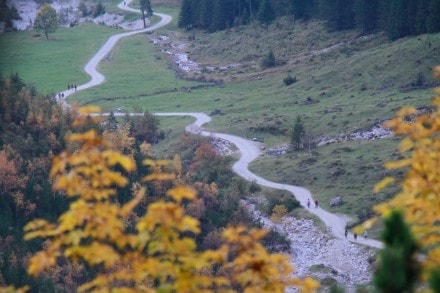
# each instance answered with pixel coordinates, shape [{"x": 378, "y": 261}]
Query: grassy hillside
[{"x": 345, "y": 83}]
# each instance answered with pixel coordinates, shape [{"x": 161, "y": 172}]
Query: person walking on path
[
  {"x": 308, "y": 203},
  {"x": 346, "y": 233},
  {"x": 316, "y": 203},
  {"x": 365, "y": 234},
  {"x": 355, "y": 236}
]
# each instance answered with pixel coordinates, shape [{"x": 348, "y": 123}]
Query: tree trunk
[{"x": 143, "y": 18}]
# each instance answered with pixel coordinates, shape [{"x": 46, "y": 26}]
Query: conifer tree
[
  {"x": 297, "y": 133},
  {"x": 398, "y": 270},
  {"x": 185, "y": 20},
  {"x": 433, "y": 19},
  {"x": 266, "y": 14},
  {"x": 365, "y": 15},
  {"x": 421, "y": 16}
]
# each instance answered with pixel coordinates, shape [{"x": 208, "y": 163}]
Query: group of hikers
[
  {"x": 71, "y": 87},
  {"x": 355, "y": 235},
  {"x": 316, "y": 203}
]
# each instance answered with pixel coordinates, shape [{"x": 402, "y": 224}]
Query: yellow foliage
[
  {"x": 419, "y": 197},
  {"x": 278, "y": 212},
  {"x": 156, "y": 254}
]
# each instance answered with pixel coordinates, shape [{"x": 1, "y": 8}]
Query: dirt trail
[{"x": 249, "y": 150}]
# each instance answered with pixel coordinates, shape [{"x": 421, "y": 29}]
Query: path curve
[{"x": 249, "y": 150}]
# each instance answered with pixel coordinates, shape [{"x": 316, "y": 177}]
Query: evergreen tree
[
  {"x": 396, "y": 22},
  {"x": 221, "y": 15},
  {"x": 421, "y": 16},
  {"x": 411, "y": 16},
  {"x": 338, "y": 13},
  {"x": 266, "y": 14},
  {"x": 433, "y": 20},
  {"x": 366, "y": 15},
  {"x": 398, "y": 270},
  {"x": 304, "y": 9},
  {"x": 112, "y": 123},
  {"x": 269, "y": 60},
  {"x": 99, "y": 9},
  {"x": 434, "y": 280},
  {"x": 297, "y": 133},
  {"x": 202, "y": 14},
  {"x": 185, "y": 13}
]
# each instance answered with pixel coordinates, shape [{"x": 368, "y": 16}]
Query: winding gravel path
[{"x": 249, "y": 149}]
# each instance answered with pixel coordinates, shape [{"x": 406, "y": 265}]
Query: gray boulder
[{"x": 337, "y": 201}]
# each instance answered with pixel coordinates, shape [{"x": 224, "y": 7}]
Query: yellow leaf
[
  {"x": 398, "y": 164},
  {"x": 158, "y": 177},
  {"x": 40, "y": 262},
  {"x": 89, "y": 109},
  {"x": 383, "y": 183},
  {"x": 182, "y": 192}
]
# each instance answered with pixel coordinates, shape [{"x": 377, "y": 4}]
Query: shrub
[
  {"x": 283, "y": 198},
  {"x": 99, "y": 10},
  {"x": 269, "y": 60},
  {"x": 288, "y": 80}
]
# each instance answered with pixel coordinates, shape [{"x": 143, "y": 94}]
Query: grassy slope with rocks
[{"x": 345, "y": 83}]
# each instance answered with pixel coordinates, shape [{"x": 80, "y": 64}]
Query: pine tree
[
  {"x": 218, "y": 21},
  {"x": 396, "y": 24},
  {"x": 298, "y": 133},
  {"x": 266, "y": 14},
  {"x": 411, "y": 16},
  {"x": 433, "y": 20},
  {"x": 366, "y": 15},
  {"x": 304, "y": 9},
  {"x": 185, "y": 18},
  {"x": 398, "y": 270},
  {"x": 421, "y": 16}
]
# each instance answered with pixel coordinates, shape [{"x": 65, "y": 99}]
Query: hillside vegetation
[{"x": 345, "y": 83}]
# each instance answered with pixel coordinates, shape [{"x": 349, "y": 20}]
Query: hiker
[
  {"x": 308, "y": 203},
  {"x": 75, "y": 87},
  {"x": 316, "y": 203},
  {"x": 365, "y": 234},
  {"x": 355, "y": 236},
  {"x": 68, "y": 87},
  {"x": 346, "y": 233}
]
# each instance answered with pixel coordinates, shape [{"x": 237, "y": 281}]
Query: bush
[
  {"x": 288, "y": 80},
  {"x": 269, "y": 60},
  {"x": 99, "y": 10},
  {"x": 84, "y": 10},
  {"x": 281, "y": 198}
]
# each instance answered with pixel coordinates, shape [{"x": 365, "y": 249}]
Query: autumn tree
[
  {"x": 156, "y": 252},
  {"x": 419, "y": 198},
  {"x": 46, "y": 20},
  {"x": 10, "y": 178}
]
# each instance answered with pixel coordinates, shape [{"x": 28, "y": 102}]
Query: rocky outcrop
[
  {"x": 336, "y": 201},
  {"x": 316, "y": 254}
]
